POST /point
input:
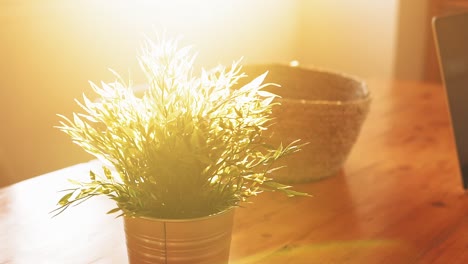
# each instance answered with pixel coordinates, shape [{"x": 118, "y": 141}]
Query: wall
[
  {"x": 356, "y": 37},
  {"x": 413, "y": 29},
  {"x": 49, "y": 50}
]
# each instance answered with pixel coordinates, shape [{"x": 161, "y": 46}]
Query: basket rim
[
  {"x": 367, "y": 95},
  {"x": 365, "y": 99}
]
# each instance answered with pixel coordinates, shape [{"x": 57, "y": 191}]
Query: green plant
[{"x": 189, "y": 146}]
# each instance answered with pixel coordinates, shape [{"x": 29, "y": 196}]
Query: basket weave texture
[{"x": 322, "y": 108}]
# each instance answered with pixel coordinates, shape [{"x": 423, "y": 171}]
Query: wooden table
[{"x": 398, "y": 200}]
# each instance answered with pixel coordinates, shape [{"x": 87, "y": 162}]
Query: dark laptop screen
[{"x": 451, "y": 34}]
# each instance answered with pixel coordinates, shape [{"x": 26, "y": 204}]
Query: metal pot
[{"x": 179, "y": 241}]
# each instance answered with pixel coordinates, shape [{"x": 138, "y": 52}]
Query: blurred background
[{"x": 49, "y": 49}]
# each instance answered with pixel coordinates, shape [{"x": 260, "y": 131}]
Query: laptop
[{"x": 451, "y": 39}]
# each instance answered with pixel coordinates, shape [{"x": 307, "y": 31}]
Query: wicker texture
[{"x": 323, "y": 108}]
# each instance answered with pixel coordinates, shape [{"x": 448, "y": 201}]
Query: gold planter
[
  {"x": 186, "y": 241},
  {"x": 323, "y": 108}
]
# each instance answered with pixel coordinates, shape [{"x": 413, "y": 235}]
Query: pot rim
[{"x": 182, "y": 220}]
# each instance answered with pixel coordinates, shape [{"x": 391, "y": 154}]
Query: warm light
[
  {"x": 294, "y": 63},
  {"x": 71, "y": 42}
]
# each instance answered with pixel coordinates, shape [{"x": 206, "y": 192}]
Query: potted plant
[{"x": 182, "y": 154}]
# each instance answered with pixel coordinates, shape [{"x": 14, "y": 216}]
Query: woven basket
[{"x": 323, "y": 108}]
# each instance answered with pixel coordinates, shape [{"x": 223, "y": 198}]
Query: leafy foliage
[{"x": 189, "y": 146}]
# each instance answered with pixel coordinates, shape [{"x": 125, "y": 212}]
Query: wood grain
[{"x": 399, "y": 199}]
